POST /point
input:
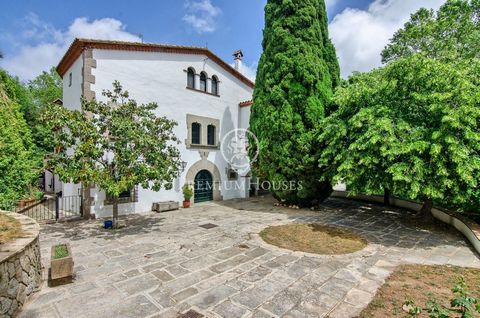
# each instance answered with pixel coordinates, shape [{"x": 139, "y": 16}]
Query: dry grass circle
[
  {"x": 10, "y": 228},
  {"x": 314, "y": 238}
]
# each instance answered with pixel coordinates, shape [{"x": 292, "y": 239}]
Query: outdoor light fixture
[{"x": 184, "y": 165}]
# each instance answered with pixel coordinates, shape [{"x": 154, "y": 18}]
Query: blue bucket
[{"x": 108, "y": 224}]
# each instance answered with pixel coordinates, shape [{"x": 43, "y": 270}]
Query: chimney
[{"x": 238, "y": 59}]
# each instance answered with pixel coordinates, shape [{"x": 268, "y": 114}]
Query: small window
[
  {"x": 232, "y": 174},
  {"x": 196, "y": 133},
  {"x": 125, "y": 194},
  {"x": 203, "y": 82},
  {"x": 128, "y": 196},
  {"x": 191, "y": 78},
  {"x": 214, "y": 85},
  {"x": 211, "y": 135},
  {"x": 69, "y": 79}
]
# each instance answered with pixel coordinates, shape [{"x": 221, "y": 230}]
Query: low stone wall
[
  {"x": 468, "y": 228},
  {"x": 20, "y": 268}
]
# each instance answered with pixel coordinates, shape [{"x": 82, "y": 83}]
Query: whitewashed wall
[
  {"x": 72, "y": 95},
  {"x": 161, "y": 78}
]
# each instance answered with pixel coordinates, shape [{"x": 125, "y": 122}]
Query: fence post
[{"x": 57, "y": 207}]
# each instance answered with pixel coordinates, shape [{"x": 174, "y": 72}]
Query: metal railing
[{"x": 50, "y": 207}]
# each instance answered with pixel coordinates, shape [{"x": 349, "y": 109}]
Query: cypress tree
[{"x": 296, "y": 76}]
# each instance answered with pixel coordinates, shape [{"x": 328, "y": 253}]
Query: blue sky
[{"x": 35, "y": 33}]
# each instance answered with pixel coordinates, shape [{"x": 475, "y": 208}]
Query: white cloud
[
  {"x": 50, "y": 43},
  {"x": 361, "y": 35},
  {"x": 201, "y": 15}
]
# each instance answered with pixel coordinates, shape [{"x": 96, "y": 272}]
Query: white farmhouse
[{"x": 206, "y": 96}]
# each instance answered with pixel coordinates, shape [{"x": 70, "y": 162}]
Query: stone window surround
[
  {"x": 197, "y": 83},
  {"x": 132, "y": 199},
  {"x": 204, "y": 122},
  {"x": 205, "y": 164}
]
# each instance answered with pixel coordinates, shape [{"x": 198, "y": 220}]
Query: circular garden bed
[
  {"x": 314, "y": 238},
  {"x": 10, "y": 228}
]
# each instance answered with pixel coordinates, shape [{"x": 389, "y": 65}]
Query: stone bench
[{"x": 165, "y": 206}]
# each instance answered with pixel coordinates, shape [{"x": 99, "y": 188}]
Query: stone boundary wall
[
  {"x": 468, "y": 228},
  {"x": 20, "y": 267}
]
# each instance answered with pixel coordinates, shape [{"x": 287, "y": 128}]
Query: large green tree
[
  {"x": 32, "y": 98},
  {"x": 451, "y": 34},
  {"x": 413, "y": 126},
  {"x": 296, "y": 76},
  {"x": 16, "y": 91},
  {"x": 19, "y": 165},
  {"x": 45, "y": 89},
  {"x": 115, "y": 145}
]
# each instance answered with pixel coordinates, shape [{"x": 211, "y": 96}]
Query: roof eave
[{"x": 79, "y": 45}]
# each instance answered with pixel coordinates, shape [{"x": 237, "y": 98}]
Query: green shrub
[{"x": 187, "y": 192}]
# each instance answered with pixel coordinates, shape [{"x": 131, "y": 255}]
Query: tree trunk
[
  {"x": 115, "y": 212},
  {"x": 386, "y": 196},
  {"x": 86, "y": 201},
  {"x": 425, "y": 213}
]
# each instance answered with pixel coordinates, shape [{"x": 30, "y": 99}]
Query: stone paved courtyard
[{"x": 163, "y": 265}]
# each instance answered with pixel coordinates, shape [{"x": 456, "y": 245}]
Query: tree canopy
[
  {"x": 296, "y": 76},
  {"x": 115, "y": 145},
  {"x": 452, "y": 33},
  {"x": 19, "y": 165},
  {"x": 412, "y": 126},
  {"x": 32, "y": 98}
]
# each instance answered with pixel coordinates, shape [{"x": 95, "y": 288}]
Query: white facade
[{"x": 162, "y": 78}]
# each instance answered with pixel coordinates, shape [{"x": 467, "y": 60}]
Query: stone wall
[{"x": 20, "y": 268}]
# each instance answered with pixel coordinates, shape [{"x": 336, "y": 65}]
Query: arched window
[
  {"x": 211, "y": 135},
  {"x": 214, "y": 85},
  {"x": 196, "y": 127},
  {"x": 203, "y": 82},
  {"x": 191, "y": 78}
]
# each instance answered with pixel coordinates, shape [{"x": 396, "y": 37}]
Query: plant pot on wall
[
  {"x": 61, "y": 265},
  {"x": 24, "y": 203}
]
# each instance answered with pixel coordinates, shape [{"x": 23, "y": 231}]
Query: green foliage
[
  {"x": 412, "y": 126},
  {"x": 60, "y": 251},
  {"x": 187, "y": 192},
  {"x": 44, "y": 90},
  {"x": 16, "y": 91},
  {"x": 294, "y": 88},
  {"x": 32, "y": 99},
  {"x": 115, "y": 145},
  {"x": 450, "y": 34},
  {"x": 462, "y": 305},
  {"x": 18, "y": 162}
]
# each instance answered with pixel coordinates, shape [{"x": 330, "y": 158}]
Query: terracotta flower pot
[
  {"x": 186, "y": 204},
  {"x": 23, "y": 203}
]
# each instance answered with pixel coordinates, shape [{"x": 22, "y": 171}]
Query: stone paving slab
[{"x": 165, "y": 265}]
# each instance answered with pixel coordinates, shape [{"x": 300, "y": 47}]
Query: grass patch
[
  {"x": 314, "y": 238},
  {"x": 10, "y": 228},
  {"x": 61, "y": 251},
  {"x": 419, "y": 283}
]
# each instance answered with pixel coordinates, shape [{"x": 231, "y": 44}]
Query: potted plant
[
  {"x": 187, "y": 195},
  {"x": 61, "y": 265},
  {"x": 32, "y": 196}
]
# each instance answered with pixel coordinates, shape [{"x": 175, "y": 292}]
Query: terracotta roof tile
[{"x": 246, "y": 103}]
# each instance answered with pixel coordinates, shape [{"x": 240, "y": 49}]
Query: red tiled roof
[
  {"x": 79, "y": 45},
  {"x": 246, "y": 103}
]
